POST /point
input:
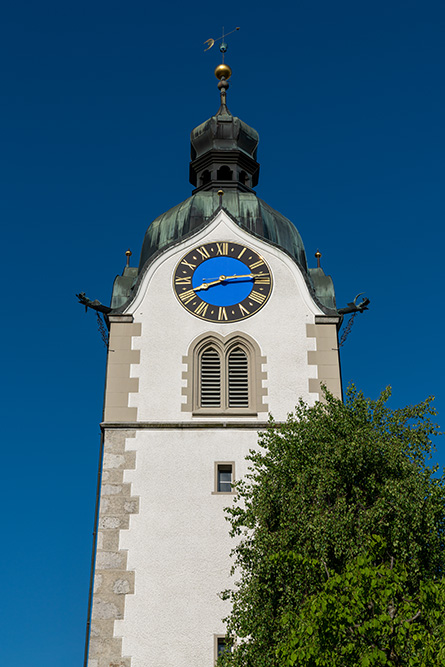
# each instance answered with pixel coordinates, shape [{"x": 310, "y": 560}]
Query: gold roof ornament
[{"x": 223, "y": 72}]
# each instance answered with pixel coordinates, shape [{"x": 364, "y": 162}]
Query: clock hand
[
  {"x": 246, "y": 275},
  {"x": 224, "y": 278},
  {"x": 212, "y": 282}
]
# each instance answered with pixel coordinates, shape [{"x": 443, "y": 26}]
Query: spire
[
  {"x": 223, "y": 148},
  {"x": 223, "y": 72}
]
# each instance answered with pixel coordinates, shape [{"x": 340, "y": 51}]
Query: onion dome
[
  {"x": 223, "y": 152},
  {"x": 246, "y": 209},
  {"x": 224, "y": 162}
]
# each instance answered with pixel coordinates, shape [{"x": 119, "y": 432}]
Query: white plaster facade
[{"x": 175, "y": 545}]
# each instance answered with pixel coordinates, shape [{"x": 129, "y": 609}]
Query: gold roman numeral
[
  {"x": 256, "y": 264},
  {"x": 222, "y": 248},
  {"x": 187, "y": 296},
  {"x": 257, "y": 296},
  {"x": 183, "y": 281},
  {"x": 241, "y": 253},
  {"x": 202, "y": 308},
  {"x": 262, "y": 280},
  {"x": 243, "y": 310},
  {"x": 203, "y": 252},
  {"x": 222, "y": 315},
  {"x": 191, "y": 266}
]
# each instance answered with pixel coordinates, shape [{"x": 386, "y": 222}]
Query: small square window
[{"x": 224, "y": 476}]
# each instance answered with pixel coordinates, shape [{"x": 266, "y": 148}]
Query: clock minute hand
[
  {"x": 222, "y": 279},
  {"x": 246, "y": 275}
]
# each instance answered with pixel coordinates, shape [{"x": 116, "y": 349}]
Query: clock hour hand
[{"x": 212, "y": 282}]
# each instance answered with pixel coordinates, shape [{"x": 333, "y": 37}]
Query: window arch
[
  {"x": 206, "y": 177},
  {"x": 243, "y": 178},
  {"x": 224, "y": 375},
  {"x": 224, "y": 173}
]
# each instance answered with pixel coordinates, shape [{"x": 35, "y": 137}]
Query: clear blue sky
[{"x": 97, "y": 102}]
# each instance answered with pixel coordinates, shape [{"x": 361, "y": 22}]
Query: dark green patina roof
[
  {"x": 223, "y": 152},
  {"x": 233, "y": 134},
  {"x": 249, "y": 212}
]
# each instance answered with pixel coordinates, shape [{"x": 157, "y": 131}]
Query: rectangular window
[
  {"x": 221, "y": 646},
  {"x": 224, "y": 476}
]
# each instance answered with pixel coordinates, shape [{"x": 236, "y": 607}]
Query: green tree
[
  {"x": 367, "y": 616},
  {"x": 319, "y": 487}
]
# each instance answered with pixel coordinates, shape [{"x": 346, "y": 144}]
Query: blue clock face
[
  {"x": 222, "y": 282},
  {"x": 226, "y": 292}
]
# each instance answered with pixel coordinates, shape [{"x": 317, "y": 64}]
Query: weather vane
[{"x": 223, "y": 46}]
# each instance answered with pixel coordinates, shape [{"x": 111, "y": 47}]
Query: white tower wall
[{"x": 163, "y": 545}]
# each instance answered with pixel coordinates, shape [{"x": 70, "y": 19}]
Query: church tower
[{"x": 221, "y": 323}]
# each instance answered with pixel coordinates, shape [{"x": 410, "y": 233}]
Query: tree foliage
[
  {"x": 369, "y": 616},
  {"x": 320, "y": 486}
]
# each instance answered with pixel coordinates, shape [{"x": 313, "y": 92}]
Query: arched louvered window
[
  {"x": 210, "y": 378},
  {"x": 238, "y": 378},
  {"x": 224, "y": 376}
]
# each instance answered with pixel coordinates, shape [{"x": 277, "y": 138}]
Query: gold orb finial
[
  {"x": 318, "y": 257},
  {"x": 128, "y": 254},
  {"x": 220, "y": 193},
  {"x": 223, "y": 71}
]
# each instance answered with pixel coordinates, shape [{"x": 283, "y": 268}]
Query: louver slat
[
  {"x": 238, "y": 379},
  {"x": 210, "y": 379}
]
